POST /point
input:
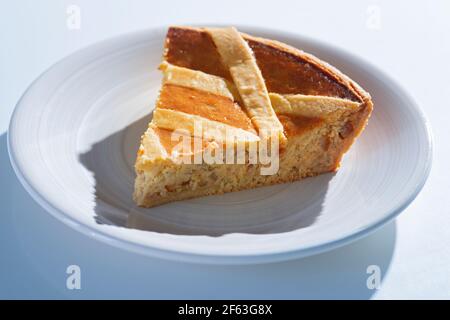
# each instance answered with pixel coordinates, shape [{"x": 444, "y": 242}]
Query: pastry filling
[
  {"x": 194, "y": 50},
  {"x": 204, "y": 104}
]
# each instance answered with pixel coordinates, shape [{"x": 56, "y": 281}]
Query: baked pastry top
[{"x": 246, "y": 90}]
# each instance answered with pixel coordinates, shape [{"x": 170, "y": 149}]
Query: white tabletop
[{"x": 409, "y": 41}]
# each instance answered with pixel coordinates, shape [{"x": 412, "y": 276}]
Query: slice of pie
[{"x": 238, "y": 112}]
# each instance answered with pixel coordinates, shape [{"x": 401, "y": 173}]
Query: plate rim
[{"x": 224, "y": 258}]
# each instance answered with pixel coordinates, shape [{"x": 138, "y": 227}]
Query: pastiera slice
[{"x": 226, "y": 96}]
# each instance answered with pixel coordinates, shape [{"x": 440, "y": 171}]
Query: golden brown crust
[
  {"x": 181, "y": 39},
  {"x": 312, "y": 106},
  {"x": 363, "y": 96},
  {"x": 197, "y": 80},
  {"x": 189, "y": 48},
  {"x": 165, "y": 137},
  {"x": 317, "y": 71},
  {"x": 205, "y": 104},
  {"x": 239, "y": 59},
  {"x": 195, "y": 125}
]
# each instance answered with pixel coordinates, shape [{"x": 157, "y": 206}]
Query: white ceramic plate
[{"x": 74, "y": 135}]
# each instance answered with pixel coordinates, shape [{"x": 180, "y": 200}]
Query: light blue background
[{"x": 411, "y": 43}]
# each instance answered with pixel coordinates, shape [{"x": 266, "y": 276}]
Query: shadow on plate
[{"x": 266, "y": 210}]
